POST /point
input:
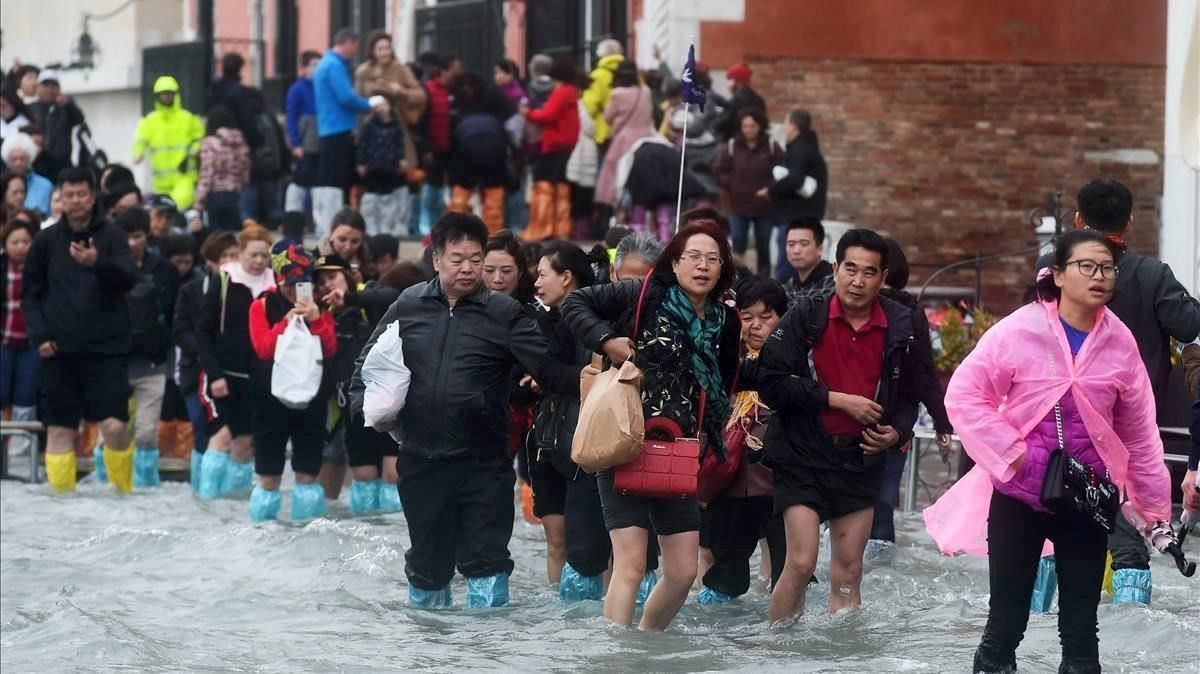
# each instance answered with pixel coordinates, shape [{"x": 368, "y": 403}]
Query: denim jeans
[
  {"x": 196, "y": 416},
  {"x": 262, "y": 202},
  {"x": 762, "y": 224},
  {"x": 19, "y": 376},
  {"x": 884, "y": 526}
]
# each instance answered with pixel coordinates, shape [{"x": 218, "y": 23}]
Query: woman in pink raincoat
[{"x": 1065, "y": 355}]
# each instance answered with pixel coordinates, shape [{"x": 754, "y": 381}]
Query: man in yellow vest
[{"x": 172, "y": 137}]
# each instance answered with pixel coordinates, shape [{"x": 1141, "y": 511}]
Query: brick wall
[{"x": 950, "y": 158}]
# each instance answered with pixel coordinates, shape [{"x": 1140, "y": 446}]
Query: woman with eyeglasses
[
  {"x": 687, "y": 342},
  {"x": 1061, "y": 372}
]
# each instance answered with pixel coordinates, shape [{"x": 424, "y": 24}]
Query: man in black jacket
[
  {"x": 73, "y": 296},
  {"x": 1155, "y": 307},
  {"x": 798, "y": 192},
  {"x": 840, "y": 375},
  {"x": 742, "y": 98},
  {"x": 461, "y": 342},
  {"x": 57, "y": 115}
]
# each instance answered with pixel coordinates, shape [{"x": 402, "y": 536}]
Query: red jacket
[
  {"x": 437, "y": 117},
  {"x": 559, "y": 119},
  {"x": 263, "y": 335}
]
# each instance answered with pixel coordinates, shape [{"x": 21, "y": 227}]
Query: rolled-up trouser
[
  {"x": 1128, "y": 547},
  {"x": 198, "y": 419},
  {"x": 275, "y": 424},
  {"x": 883, "y": 528},
  {"x": 460, "y": 514},
  {"x": 588, "y": 544},
  {"x": 148, "y": 397},
  {"x": 734, "y": 527}
]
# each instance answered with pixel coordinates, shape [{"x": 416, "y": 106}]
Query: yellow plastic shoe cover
[
  {"x": 119, "y": 463},
  {"x": 60, "y": 471}
]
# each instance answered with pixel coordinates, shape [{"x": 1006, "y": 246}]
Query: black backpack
[
  {"x": 147, "y": 322},
  {"x": 266, "y": 160}
]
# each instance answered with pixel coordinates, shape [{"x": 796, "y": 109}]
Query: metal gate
[
  {"x": 575, "y": 28},
  {"x": 472, "y": 30},
  {"x": 185, "y": 61}
]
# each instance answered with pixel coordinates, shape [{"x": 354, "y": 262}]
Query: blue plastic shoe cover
[
  {"x": 213, "y": 467},
  {"x": 487, "y": 592},
  {"x": 364, "y": 497},
  {"x": 879, "y": 550},
  {"x": 389, "y": 497},
  {"x": 194, "y": 470},
  {"x": 645, "y": 587},
  {"x": 1044, "y": 586},
  {"x": 1132, "y": 585},
  {"x": 98, "y": 470},
  {"x": 308, "y": 502},
  {"x": 710, "y": 597},
  {"x": 264, "y": 504},
  {"x": 239, "y": 477},
  {"x": 574, "y": 586},
  {"x": 419, "y": 598},
  {"x": 145, "y": 468}
]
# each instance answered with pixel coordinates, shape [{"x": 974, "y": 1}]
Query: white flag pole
[{"x": 687, "y": 107}]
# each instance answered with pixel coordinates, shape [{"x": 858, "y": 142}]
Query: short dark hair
[
  {"x": 384, "y": 244},
  {"x": 344, "y": 35},
  {"x": 293, "y": 224},
  {"x": 216, "y": 244},
  {"x": 115, "y": 174},
  {"x": 1105, "y": 205},
  {"x": 14, "y": 225},
  {"x": 232, "y": 64},
  {"x": 220, "y": 117},
  {"x": 1045, "y": 289},
  {"x": 760, "y": 118},
  {"x": 76, "y": 175},
  {"x": 897, "y": 268},
  {"x": 563, "y": 69},
  {"x": 134, "y": 220},
  {"x": 177, "y": 244},
  {"x": 509, "y": 67},
  {"x": 403, "y": 275},
  {"x": 755, "y": 289},
  {"x": 801, "y": 118},
  {"x": 565, "y": 256},
  {"x": 867, "y": 239},
  {"x": 454, "y": 227},
  {"x": 626, "y": 74},
  {"x": 811, "y": 224},
  {"x": 308, "y": 57}
]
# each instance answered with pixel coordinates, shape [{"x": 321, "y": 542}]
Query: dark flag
[{"x": 693, "y": 92}]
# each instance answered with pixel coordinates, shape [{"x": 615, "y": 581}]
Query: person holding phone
[
  {"x": 275, "y": 424},
  {"x": 77, "y": 274}
]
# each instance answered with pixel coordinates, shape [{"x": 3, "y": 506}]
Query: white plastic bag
[
  {"x": 386, "y": 379},
  {"x": 296, "y": 376}
]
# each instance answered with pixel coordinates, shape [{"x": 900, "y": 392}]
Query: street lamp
[{"x": 85, "y": 50}]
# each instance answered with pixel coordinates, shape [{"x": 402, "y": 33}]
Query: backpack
[
  {"x": 147, "y": 323},
  {"x": 266, "y": 160}
]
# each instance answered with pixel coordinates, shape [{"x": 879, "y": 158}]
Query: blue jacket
[
  {"x": 301, "y": 105},
  {"x": 37, "y": 193},
  {"x": 337, "y": 103}
]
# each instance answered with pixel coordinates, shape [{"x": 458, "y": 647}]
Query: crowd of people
[{"x": 203, "y": 303}]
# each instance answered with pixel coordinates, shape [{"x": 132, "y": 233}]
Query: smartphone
[{"x": 304, "y": 292}]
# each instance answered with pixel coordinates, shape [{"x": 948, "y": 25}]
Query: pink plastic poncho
[{"x": 1011, "y": 381}]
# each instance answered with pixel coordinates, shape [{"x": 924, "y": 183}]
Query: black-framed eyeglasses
[{"x": 1089, "y": 267}]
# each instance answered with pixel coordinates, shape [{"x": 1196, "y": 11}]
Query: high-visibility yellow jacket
[
  {"x": 172, "y": 136},
  {"x": 595, "y": 97}
]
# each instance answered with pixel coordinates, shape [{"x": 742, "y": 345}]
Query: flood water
[{"x": 159, "y": 582}]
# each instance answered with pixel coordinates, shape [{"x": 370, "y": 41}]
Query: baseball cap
[
  {"x": 739, "y": 72},
  {"x": 162, "y": 202},
  {"x": 331, "y": 262},
  {"x": 48, "y": 75},
  {"x": 292, "y": 264}
]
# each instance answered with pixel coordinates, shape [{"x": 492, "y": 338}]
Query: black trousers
[
  {"x": 588, "y": 544},
  {"x": 1016, "y": 533},
  {"x": 460, "y": 514},
  {"x": 1128, "y": 547},
  {"x": 734, "y": 526},
  {"x": 274, "y": 424}
]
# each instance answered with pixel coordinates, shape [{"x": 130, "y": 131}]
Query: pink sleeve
[
  {"x": 1147, "y": 481},
  {"x": 973, "y": 403}
]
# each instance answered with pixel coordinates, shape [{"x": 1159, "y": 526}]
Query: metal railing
[{"x": 29, "y": 429}]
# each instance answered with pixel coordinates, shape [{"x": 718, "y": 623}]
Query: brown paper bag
[
  {"x": 586, "y": 380},
  {"x": 611, "y": 427}
]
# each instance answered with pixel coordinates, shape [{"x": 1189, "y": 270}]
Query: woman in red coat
[{"x": 550, "y": 208}]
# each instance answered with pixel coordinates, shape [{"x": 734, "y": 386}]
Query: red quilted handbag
[{"x": 669, "y": 465}]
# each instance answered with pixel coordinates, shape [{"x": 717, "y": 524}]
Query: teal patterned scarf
[{"x": 703, "y": 337}]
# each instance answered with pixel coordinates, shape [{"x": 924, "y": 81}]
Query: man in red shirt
[{"x": 840, "y": 375}]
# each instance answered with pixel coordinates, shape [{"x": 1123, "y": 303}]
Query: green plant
[{"x": 958, "y": 338}]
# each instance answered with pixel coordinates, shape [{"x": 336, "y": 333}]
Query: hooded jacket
[
  {"x": 596, "y": 96},
  {"x": 744, "y": 170},
  {"x": 81, "y": 310},
  {"x": 1010, "y": 382},
  {"x": 461, "y": 359},
  {"x": 172, "y": 136}
]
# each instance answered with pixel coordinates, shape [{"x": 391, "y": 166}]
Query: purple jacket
[{"x": 1026, "y": 485}]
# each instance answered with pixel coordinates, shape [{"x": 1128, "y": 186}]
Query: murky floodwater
[{"x": 161, "y": 582}]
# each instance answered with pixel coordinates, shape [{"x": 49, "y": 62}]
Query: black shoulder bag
[{"x": 1070, "y": 485}]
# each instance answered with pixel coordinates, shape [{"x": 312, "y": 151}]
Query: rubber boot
[
  {"x": 574, "y": 586},
  {"x": 213, "y": 466},
  {"x": 418, "y": 598},
  {"x": 646, "y": 587},
  {"x": 1132, "y": 585},
  {"x": 487, "y": 592},
  {"x": 431, "y": 208},
  {"x": 1044, "y": 586},
  {"x": 99, "y": 472},
  {"x": 389, "y": 497},
  {"x": 541, "y": 212},
  {"x": 527, "y": 504},
  {"x": 60, "y": 472},
  {"x": 562, "y": 211},
  {"x": 493, "y": 208},
  {"x": 711, "y": 597},
  {"x": 364, "y": 497},
  {"x": 194, "y": 470},
  {"x": 145, "y": 468},
  {"x": 120, "y": 468},
  {"x": 987, "y": 665},
  {"x": 308, "y": 502},
  {"x": 637, "y": 219},
  {"x": 239, "y": 477},
  {"x": 264, "y": 504}
]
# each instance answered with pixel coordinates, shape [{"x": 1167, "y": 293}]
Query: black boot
[
  {"x": 986, "y": 664},
  {"x": 1072, "y": 666}
]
